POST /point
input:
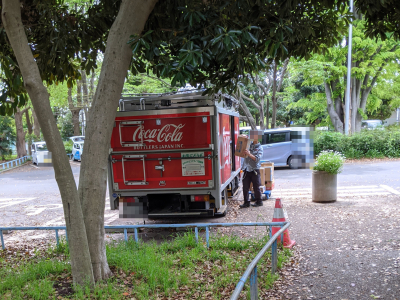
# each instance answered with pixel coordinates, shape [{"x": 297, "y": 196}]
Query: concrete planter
[{"x": 324, "y": 187}]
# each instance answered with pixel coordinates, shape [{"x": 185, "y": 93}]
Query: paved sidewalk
[{"x": 350, "y": 248}]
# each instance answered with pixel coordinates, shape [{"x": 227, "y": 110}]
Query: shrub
[
  {"x": 329, "y": 161},
  {"x": 368, "y": 143},
  {"x": 68, "y": 146}
]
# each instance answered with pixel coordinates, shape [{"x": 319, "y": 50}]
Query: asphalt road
[{"x": 29, "y": 195}]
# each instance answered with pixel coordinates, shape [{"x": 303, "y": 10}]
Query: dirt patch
[{"x": 63, "y": 285}]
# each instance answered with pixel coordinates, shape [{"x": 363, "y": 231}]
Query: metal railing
[
  {"x": 250, "y": 271},
  {"x": 252, "y": 268},
  {"x": 10, "y": 164}
]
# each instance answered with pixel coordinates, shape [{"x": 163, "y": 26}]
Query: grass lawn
[{"x": 178, "y": 269}]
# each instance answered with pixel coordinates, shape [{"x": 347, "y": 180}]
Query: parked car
[
  {"x": 77, "y": 138},
  {"x": 77, "y": 149},
  {"x": 40, "y": 154},
  {"x": 372, "y": 124},
  {"x": 290, "y": 146}
]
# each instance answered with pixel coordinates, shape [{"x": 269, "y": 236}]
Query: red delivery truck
[{"x": 172, "y": 155}]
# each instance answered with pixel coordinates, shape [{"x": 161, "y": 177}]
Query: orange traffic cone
[{"x": 280, "y": 215}]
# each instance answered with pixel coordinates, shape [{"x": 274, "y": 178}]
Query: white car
[
  {"x": 77, "y": 138},
  {"x": 372, "y": 124},
  {"x": 77, "y": 149},
  {"x": 40, "y": 154}
]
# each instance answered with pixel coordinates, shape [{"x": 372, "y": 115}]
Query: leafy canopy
[{"x": 219, "y": 41}]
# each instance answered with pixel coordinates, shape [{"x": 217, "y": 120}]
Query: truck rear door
[{"x": 162, "y": 151}]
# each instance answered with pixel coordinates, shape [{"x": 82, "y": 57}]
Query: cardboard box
[
  {"x": 269, "y": 185},
  {"x": 262, "y": 188},
  {"x": 243, "y": 143},
  {"x": 267, "y": 164},
  {"x": 262, "y": 175},
  {"x": 269, "y": 173}
]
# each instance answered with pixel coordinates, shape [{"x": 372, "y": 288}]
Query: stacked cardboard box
[
  {"x": 268, "y": 168},
  {"x": 267, "y": 177}
]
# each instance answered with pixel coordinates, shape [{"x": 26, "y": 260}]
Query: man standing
[{"x": 251, "y": 169}]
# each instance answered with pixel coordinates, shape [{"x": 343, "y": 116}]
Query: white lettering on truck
[{"x": 168, "y": 133}]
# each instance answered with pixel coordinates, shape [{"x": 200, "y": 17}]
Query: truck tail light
[{"x": 200, "y": 198}]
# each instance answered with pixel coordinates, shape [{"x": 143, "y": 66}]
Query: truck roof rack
[{"x": 182, "y": 98}]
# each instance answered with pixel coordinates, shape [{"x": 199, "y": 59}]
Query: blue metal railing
[
  {"x": 252, "y": 268},
  {"x": 196, "y": 227},
  {"x": 10, "y": 164},
  {"x": 250, "y": 271}
]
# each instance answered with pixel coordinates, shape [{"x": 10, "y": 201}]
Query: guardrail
[
  {"x": 10, "y": 164},
  {"x": 250, "y": 271},
  {"x": 252, "y": 268}
]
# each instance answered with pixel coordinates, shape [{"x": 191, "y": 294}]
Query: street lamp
[{"x": 347, "y": 111}]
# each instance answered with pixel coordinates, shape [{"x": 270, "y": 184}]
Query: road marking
[
  {"x": 113, "y": 218},
  {"x": 37, "y": 209},
  {"x": 388, "y": 188},
  {"x": 343, "y": 191},
  {"x": 15, "y": 201}
]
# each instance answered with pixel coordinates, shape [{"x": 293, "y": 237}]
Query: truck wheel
[{"x": 221, "y": 215}]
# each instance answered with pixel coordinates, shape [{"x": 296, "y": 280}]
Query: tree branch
[
  {"x": 283, "y": 71},
  {"x": 249, "y": 99}
]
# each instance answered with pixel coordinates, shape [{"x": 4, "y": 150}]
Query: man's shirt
[{"x": 250, "y": 165}]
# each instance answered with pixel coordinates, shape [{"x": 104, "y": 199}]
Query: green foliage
[
  {"x": 7, "y": 136},
  {"x": 63, "y": 40},
  {"x": 64, "y": 123},
  {"x": 180, "y": 268},
  {"x": 382, "y": 16},
  {"x": 218, "y": 41},
  {"x": 68, "y": 146},
  {"x": 375, "y": 66},
  {"x": 30, "y": 138},
  {"x": 368, "y": 143},
  {"x": 144, "y": 83},
  {"x": 329, "y": 161},
  {"x": 309, "y": 101}
]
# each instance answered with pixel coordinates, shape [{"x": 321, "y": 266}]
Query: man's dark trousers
[{"x": 255, "y": 178}]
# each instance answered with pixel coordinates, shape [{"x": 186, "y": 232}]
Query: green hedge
[{"x": 368, "y": 143}]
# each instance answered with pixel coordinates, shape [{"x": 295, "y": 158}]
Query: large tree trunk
[
  {"x": 78, "y": 243},
  {"x": 36, "y": 125},
  {"x": 30, "y": 130},
  {"x": 262, "y": 124},
  {"x": 337, "y": 123},
  {"x": 75, "y": 114},
  {"x": 75, "y": 121},
  {"x": 131, "y": 19},
  {"x": 21, "y": 145}
]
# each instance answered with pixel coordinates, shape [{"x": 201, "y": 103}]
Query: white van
[
  {"x": 289, "y": 146},
  {"x": 40, "y": 154},
  {"x": 77, "y": 149}
]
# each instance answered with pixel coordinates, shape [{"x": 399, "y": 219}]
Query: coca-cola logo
[
  {"x": 168, "y": 133},
  {"x": 226, "y": 141}
]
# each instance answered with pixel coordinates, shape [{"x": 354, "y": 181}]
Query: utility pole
[{"x": 347, "y": 111}]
